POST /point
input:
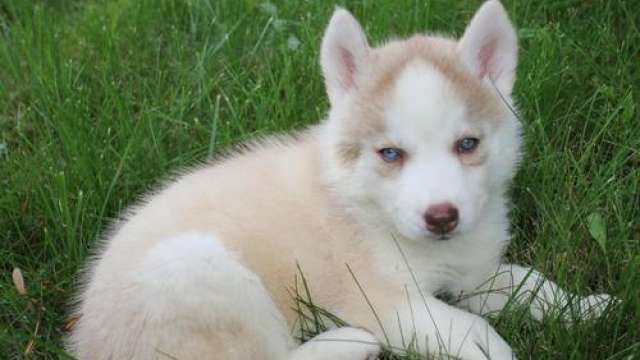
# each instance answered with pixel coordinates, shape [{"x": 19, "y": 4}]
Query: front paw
[
  {"x": 345, "y": 343},
  {"x": 593, "y": 306}
]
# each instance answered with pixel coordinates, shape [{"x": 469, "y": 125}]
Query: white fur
[
  {"x": 343, "y": 55},
  {"x": 339, "y": 344},
  {"x": 204, "y": 267},
  {"x": 157, "y": 308},
  {"x": 426, "y": 129},
  {"x": 489, "y": 46}
]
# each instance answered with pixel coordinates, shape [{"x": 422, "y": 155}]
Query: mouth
[
  {"x": 443, "y": 237},
  {"x": 418, "y": 232},
  {"x": 426, "y": 235}
]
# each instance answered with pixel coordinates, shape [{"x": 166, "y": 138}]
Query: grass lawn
[{"x": 100, "y": 100}]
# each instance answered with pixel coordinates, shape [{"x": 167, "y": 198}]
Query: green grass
[{"x": 99, "y": 100}]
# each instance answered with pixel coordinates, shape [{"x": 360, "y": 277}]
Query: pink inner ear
[
  {"x": 485, "y": 57},
  {"x": 349, "y": 68}
]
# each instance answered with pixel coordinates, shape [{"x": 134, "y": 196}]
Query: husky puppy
[{"x": 404, "y": 182}]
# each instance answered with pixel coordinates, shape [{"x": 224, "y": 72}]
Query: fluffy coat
[{"x": 204, "y": 267}]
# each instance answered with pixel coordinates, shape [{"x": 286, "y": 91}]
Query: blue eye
[
  {"x": 390, "y": 154},
  {"x": 467, "y": 145}
]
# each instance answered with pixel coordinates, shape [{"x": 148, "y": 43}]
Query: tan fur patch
[
  {"x": 369, "y": 118},
  {"x": 391, "y": 59},
  {"x": 387, "y": 170},
  {"x": 475, "y": 158},
  {"x": 349, "y": 152},
  {"x": 365, "y": 119}
]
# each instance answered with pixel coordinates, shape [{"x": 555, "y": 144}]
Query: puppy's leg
[
  {"x": 339, "y": 344},
  {"x": 187, "y": 298},
  {"x": 529, "y": 287},
  {"x": 430, "y": 326}
]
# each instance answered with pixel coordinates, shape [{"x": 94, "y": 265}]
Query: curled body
[{"x": 404, "y": 182}]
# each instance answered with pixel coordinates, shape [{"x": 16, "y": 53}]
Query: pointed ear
[
  {"x": 343, "y": 55},
  {"x": 489, "y": 46}
]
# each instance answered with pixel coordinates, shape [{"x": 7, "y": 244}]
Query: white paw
[
  {"x": 344, "y": 343},
  {"x": 593, "y": 306}
]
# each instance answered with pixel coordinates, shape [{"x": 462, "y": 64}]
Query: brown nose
[{"x": 441, "y": 218}]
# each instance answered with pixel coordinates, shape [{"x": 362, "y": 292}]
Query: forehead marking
[
  {"x": 425, "y": 102},
  {"x": 441, "y": 54}
]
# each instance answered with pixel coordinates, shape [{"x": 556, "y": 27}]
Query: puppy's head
[{"x": 421, "y": 134}]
